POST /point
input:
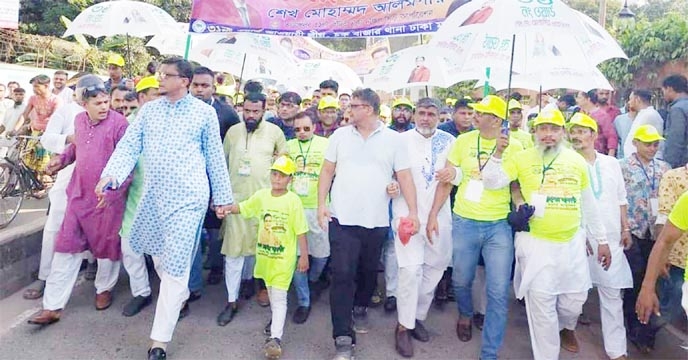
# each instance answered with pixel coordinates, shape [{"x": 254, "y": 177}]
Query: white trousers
[
  {"x": 278, "y": 306},
  {"x": 64, "y": 272},
  {"x": 416, "y": 289},
  {"x": 47, "y": 251},
  {"x": 233, "y": 270},
  {"x": 547, "y": 315},
  {"x": 611, "y": 314},
  {"x": 135, "y": 265},
  {"x": 391, "y": 268},
  {"x": 479, "y": 291},
  {"x": 174, "y": 291}
]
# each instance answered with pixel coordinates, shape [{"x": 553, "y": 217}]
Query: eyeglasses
[
  {"x": 305, "y": 129},
  {"x": 163, "y": 76},
  {"x": 402, "y": 109}
]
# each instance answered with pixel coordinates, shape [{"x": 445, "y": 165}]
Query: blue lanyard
[{"x": 654, "y": 171}]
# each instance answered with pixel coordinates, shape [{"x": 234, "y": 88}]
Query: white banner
[{"x": 9, "y": 14}]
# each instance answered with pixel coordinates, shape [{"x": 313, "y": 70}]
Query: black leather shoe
[
  {"x": 420, "y": 333},
  {"x": 390, "y": 304},
  {"x": 157, "y": 354},
  {"x": 194, "y": 295},
  {"x": 184, "y": 311},
  {"x": 227, "y": 314},
  {"x": 301, "y": 314},
  {"x": 135, "y": 305}
]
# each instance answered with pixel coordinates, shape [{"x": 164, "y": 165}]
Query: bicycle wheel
[{"x": 11, "y": 197}]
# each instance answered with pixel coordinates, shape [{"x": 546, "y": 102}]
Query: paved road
[
  {"x": 32, "y": 211},
  {"x": 84, "y": 333}
]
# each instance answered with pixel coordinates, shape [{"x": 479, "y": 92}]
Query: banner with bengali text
[
  {"x": 9, "y": 14},
  {"x": 321, "y": 18}
]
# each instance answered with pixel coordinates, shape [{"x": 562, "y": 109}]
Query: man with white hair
[
  {"x": 607, "y": 185},
  {"x": 422, "y": 258},
  {"x": 551, "y": 266}
]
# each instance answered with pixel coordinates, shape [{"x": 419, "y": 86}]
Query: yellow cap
[
  {"x": 491, "y": 104},
  {"x": 450, "y": 101},
  {"x": 402, "y": 101},
  {"x": 583, "y": 120},
  {"x": 285, "y": 165},
  {"x": 647, "y": 134},
  {"x": 554, "y": 117},
  {"x": 224, "y": 90},
  {"x": 148, "y": 82},
  {"x": 115, "y": 59},
  {"x": 328, "y": 102},
  {"x": 385, "y": 111},
  {"x": 514, "y": 104}
]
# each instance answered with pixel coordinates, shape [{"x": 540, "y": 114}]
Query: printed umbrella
[
  {"x": 524, "y": 36},
  {"x": 310, "y": 73},
  {"x": 422, "y": 65},
  {"x": 551, "y": 78},
  {"x": 123, "y": 17}
]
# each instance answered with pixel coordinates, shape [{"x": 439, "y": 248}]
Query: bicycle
[{"x": 17, "y": 180}]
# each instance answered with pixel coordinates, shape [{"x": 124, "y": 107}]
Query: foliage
[
  {"x": 456, "y": 91},
  {"x": 649, "y": 45}
]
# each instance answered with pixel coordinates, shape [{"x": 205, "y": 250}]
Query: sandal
[{"x": 33, "y": 294}]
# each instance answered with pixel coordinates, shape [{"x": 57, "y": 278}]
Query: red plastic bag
[{"x": 405, "y": 230}]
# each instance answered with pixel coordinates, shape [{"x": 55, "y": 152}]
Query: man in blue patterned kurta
[{"x": 178, "y": 139}]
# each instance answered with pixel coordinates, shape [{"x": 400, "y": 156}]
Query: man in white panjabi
[
  {"x": 421, "y": 261},
  {"x": 608, "y": 187},
  {"x": 552, "y": 271}
]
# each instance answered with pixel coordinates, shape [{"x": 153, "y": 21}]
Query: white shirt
[
  {"x": 363, "y": 169},
  {"x": 646, "y": 116},
  {"x": 65, "y": 95},
  {"x": 12, "y": 114},
  {"x": 426, "y": 156}
]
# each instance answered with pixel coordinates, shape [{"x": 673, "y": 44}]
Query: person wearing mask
[
  {"x": 288, "y": 105},
  {"x": 203, "y": 88},
  {"x": 642, "y": 173},
  {"x": 640, "y": 102},
  {"x": 608, "y": 188},
  {"x": 675, "y": 91},
  {"x": 250, "y": 148},
  {"x": 176, "y": 194},
  {"x": 115, "y": 64}
]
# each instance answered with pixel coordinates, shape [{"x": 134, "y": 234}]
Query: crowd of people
[{"x": 457, "y": 200}]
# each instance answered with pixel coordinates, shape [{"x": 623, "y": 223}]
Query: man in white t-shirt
[{"x": 60, "y": 88}]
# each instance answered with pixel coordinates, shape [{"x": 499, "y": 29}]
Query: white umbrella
[
  {"x": 422, "y": 65},
  {"x": 121, "y": 17},
  {"x": 547, "y": 34},
  {"x": 311, "y": 73},
  {"x": 550, "y": 78}
]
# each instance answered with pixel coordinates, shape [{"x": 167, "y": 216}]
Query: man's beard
[
  {"x": 602, "y": 101},
  {"x": 426, "y": 131},
  {"x": 252, "y": 125},
  {"x": 17, "y": 103},
  {"x": 548, "y": 150},
  {"x": 400, "y": 121}
]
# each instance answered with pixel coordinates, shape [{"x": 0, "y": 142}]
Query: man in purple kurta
[{"x": 88, "y": 223}]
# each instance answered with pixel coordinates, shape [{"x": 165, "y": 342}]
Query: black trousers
[
  {"x": 354, "y": 257},
  {"x": 637, "y": 256}
]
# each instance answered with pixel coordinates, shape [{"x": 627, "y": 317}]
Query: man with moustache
[
  {"x": 603, "y": 96},
  {"x": 250, "y": 148},
  {"x": 59, "y": 87},
  {"x": 288, "y": 105},
  {"x": 402, "y": 111},
  {"x": 608, "y": 187},
  {"x": 552, "y": 271}
]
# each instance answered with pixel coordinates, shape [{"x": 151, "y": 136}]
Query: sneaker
[
  {"x": 135, "y": 305},
  {"x": 273, "y": 348},
  {"x": 301, "y": 314},
  {"x": 344, "y": 347},
  {"x": 360, "y": 315}
]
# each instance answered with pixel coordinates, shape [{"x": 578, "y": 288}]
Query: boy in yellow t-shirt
[{"x": 283, "y": 224}]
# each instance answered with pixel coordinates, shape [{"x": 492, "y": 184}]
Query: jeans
[
  {"x": 354, "y": 257},
  {"x": 670, "y": 293},
  {"x": 301, "y": 280},
  {"x": 196, "y": 274},
  {"x": 215, "y": 258},
  {"x": 493, "y": 240}
]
